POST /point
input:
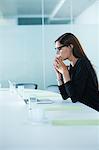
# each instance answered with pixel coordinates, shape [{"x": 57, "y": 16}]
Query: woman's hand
[
  {"x": 61, "y": 68},
  {"x": 58, "y": 74}
]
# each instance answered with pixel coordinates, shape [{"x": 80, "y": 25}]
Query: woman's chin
[{"x": 62, "y": 57}]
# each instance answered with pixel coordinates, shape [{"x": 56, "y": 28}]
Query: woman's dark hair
[{"x": 69, "y": 38}]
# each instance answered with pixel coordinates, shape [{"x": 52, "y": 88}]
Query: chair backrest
[
  {"x": 53, "y": 88},
  {"x": 27, "y": 85}
]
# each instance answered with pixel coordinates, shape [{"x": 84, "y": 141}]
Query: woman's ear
[{"x": 71, "y": 47}]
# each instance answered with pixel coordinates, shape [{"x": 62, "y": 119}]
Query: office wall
[
  {"x": 20, "y": 54},
  {"x": 91, "y": 17},
  {"x": 22, "y": 57}
]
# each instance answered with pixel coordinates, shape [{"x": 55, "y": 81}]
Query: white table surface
[{"x": 18, "y": 132}]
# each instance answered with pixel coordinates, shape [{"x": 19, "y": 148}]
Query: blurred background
[{"x": 28, "y": 29}]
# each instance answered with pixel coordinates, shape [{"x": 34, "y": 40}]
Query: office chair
[
  {"x": 53, "y": 88},
  {"x": 27, "y": 85}
]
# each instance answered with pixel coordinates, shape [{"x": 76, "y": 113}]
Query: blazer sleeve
[
  {"x": 77, "y": 85},
  {"x": 63, "y": 92}
]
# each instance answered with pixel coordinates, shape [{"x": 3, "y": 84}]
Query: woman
[{"x": 79, "y": 80}]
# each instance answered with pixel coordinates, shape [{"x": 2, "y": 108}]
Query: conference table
[{"x": 46, "y": 122}]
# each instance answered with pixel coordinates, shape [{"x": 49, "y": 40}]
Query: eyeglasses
[{"x": 59, "y": 48}]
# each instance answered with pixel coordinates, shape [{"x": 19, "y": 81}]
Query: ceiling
[{"x": 54, "y": 10}]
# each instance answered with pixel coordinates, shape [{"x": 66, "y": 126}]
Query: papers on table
[
  {"x": 39, "y": 101},
  {"x": 44, "y": 101}
]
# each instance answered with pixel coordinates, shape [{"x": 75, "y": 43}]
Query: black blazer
[{"x": 83, "y": 86}]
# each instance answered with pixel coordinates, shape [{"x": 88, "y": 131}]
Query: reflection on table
[{"x": 42, "y": 124}]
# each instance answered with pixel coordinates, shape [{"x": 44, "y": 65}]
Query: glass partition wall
[
  {"x": 21, "y": 57},
  {"x": 78, "y": 17},
  {"x": 28, "y": 32}
]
